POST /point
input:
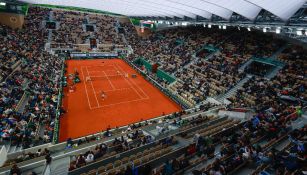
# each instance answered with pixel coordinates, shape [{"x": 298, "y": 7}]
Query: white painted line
[
  {"x": 88, "y": 99},
  {"x": 121, "y": 89},
  {"x": 119, "y": 103},
  {"x": 130, "y": 84},
  {"x": 113, "y": 87},
  {"x": 138, "y": 87},
  {"x": 93, "y": 89}
]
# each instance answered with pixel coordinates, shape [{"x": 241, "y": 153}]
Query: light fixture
[
  {"x": 209, "y": 25},
  {"x": 264, "y": 30},
  {"x": 205, "y": 25},
  {"x": 224, "y": 27},
  {"x": 249, "y": 29},
  {"x": 278, "y": 30},
  {"x": 239, "y": 28},
  {"x": 220, "y": 27},
  {"x": 299, "y": 32},
  {"x": 2, "y": 3}
]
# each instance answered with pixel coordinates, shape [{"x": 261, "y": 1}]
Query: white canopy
[{"x": 284, "y": 9}]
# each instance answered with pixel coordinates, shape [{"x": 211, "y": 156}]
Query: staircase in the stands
[{"x": 223, "y": 98}]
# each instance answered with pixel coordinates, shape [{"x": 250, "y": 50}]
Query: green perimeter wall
[{"x": 160, "y": 73}]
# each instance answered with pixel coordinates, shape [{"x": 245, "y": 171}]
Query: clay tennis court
[{"x": 127, "y": 100}]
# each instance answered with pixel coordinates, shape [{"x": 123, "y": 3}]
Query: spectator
[{"x": 15, "y": 170}]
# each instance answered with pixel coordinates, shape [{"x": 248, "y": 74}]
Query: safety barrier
[
  {"x": 142, "y": 62},
  {"x": 165, "y": 76},
  {"x": 56, "y": 130},
  {"x": 160, "y": 73}
]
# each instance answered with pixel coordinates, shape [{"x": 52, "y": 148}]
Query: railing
[
  {"x": 58, "y": 113},
  {"x": 24, "y": 96},
  {"x": 270, "y": 61},
  {"x": 47, "y": 170}
]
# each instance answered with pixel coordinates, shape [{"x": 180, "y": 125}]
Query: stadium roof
[{"x": 249, "y": 9}]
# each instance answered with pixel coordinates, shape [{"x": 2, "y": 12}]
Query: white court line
[
  {"x": 92, "y": 71},
  {"x": 120, "y": 103},
  {"x": 131, "y": 85},
  {"x": 121, "y": 89},
  {"x": 133, "y": 82},
  {"x": 88, "y": 99},
  {"x": 121, "y": 75},
  {"x": 100, "y": 65},
  {"x": 109, "y": 80},
  {"x": 93, "y": 89}
]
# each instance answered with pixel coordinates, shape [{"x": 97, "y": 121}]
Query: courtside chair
[
  {"x": 139, "y": 155},
  {"x": 92, "y": 172},
  {"x": 151, "y": 156},
  {"x": 122, "y": 168},
  {"x": 145, "y": 159},
  {"x": 109, "y": 166},
  {"x": 132, "y": 157},
  {"x": 112, "y": 172},
  {"x": 125, "y": 160},
  {"x": 137, "y": 162},
  {"x": 101, "y": 169},
  {"x": 112, "y": 153},
  {"x": 157, "y": 154},
  {"x": 117, "y": 163},
  {"x": 146, "y": 152}
]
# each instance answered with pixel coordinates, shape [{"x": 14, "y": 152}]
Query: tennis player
[{"x": 103, "y": 95}]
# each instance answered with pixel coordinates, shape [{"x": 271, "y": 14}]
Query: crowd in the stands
[
  {"x": 171, "y": 49},
  {"x": 288, "y": 86},
  {"x": 219, "y": 55},
  {"x": 123, "y": 143},
  {"x": 205, "y": 62},
  {"x": 29, "y": 90},
  {"x": 28, "y": 156},
  {"x": 78, "y": 28},
  {"x": 291, "y": 81}
]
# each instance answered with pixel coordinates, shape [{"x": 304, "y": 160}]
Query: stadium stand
[
  {"x": 33, "y": 84},
  {"x": 204, "y": 63}
]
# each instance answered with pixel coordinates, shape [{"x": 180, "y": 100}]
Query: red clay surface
[{"x": 128, "y": 100}]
